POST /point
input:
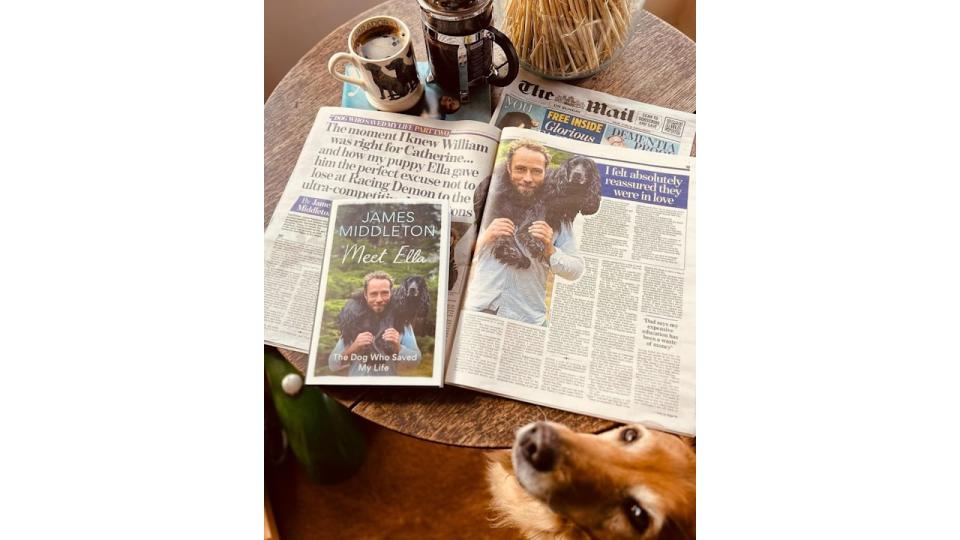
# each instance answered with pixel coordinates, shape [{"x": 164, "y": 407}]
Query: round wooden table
[{"x": 658, "y": 67}]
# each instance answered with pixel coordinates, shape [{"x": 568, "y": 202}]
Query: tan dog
[{"x": 631, "y": 482}]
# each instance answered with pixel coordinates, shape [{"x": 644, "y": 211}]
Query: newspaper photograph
[
  {"x": 581, "y": 294},
  {"x": 353, "y": 154},
  {"x": 589, "y": 116}
]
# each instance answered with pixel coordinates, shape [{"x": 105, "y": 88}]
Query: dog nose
[{"x": 536, "y": 445}]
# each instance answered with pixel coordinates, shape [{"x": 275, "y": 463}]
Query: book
[
  {"x": 570, "y": 278},
  {"x": 382, "y": 297},
  {"x": 435, "y": 103}
]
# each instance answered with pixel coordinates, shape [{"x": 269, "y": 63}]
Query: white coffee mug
[{"x": 382, "y": 53}]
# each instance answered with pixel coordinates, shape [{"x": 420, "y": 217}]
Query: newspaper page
[
  {"x": 353, "y": 154},
  {"x": 581, "y": 293},
  {"x": 594, "y": 117}
]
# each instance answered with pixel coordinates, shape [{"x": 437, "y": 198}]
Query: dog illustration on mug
[
  {"x": 400, "y": 85},
  {"x": 393, "y": 87},
  {"x": 406, "y": 70}
]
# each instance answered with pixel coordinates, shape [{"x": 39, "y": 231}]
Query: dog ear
[
  {"x": 591, "y": 202},
  {"x": 559, "y": 175},
  {"x": 349, "y": 313},
  {"x": 350, "y": 317},
  {"x": 480, "y": 199}
]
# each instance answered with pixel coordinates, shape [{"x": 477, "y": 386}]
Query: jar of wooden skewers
[{"x": 568, "y": 39}]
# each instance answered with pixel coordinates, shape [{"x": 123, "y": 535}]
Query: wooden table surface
[{"x": 658, "y": 67}]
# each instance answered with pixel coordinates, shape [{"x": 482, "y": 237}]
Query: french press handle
[{"x": 512, "y": 59}]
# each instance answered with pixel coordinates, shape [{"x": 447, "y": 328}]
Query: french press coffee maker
[{"x": 460, "y": 36}]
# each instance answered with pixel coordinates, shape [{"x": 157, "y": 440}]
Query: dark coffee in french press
[{"x": 459, "y": 35}]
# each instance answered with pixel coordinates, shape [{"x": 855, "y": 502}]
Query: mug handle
[
  {"x": 340, "y": 58},
  {"x": 512, "y": 59}
]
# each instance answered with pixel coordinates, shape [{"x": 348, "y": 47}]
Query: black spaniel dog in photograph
[
  {"x": 570, "y": 189},
  {"x": 574, "y": 189},
  {"x": 409, "y": 302}
]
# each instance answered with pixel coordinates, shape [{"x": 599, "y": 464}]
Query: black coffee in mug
[{"x": 380, "y": 42}]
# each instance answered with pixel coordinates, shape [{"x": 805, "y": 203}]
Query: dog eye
[
  {"x": 629, "y": 435},
  {"x": 638, "y": 517}
]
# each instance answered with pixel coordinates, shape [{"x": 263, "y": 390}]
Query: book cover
[
  {"x": 380, "y": 309},
  {"x": 434, "y": 103}
]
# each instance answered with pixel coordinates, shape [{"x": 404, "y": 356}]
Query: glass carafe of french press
[{"x": 460, "y": 36}]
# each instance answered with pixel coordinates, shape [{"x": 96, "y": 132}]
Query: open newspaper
[
  {"x": 611, "y": 331},
  {"x": 600, "y": 320}
]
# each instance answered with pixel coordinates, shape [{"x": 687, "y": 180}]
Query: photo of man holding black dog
[
  {"x": 510, "y": 278},
  {"x": 363, "y": 348}
]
